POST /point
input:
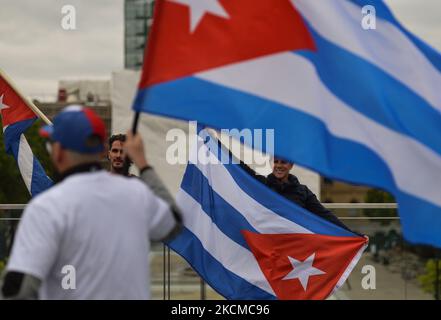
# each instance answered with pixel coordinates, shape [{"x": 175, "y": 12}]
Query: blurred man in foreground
[{"x": 93, "y": 227}]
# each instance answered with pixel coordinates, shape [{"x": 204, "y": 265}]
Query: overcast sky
[{"x": 36, "y": 52}]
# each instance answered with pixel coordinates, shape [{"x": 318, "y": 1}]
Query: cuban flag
[
  {"x": 16, "y": 118},
  {"x": 357, "y": 105},
  {"x": 248, "y": 242}
]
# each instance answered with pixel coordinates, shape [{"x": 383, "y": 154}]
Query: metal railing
[
  {"x": 327, "y": 205},
  {"x": 174, "y": 281},
  {"x": 12, "y": 206}
]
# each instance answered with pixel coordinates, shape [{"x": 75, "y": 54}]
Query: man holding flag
[
  {"x": 288, "y": 185},
  {"x": 248, "y": 242}
]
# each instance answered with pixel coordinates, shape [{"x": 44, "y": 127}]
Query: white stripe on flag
[
  {"x": 25, "y": 160},
  {"x": 296, "y": 84},
  {"x": 386, "y": 46},
  {"x": 232, "y": 256},
  {"x": 259, "y": 217}
]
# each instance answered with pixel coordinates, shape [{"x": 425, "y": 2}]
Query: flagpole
[
  {"x": 29, "y": 103},
  {"x": 134, "y": 129},
  {"x": 135, "y": 122}
]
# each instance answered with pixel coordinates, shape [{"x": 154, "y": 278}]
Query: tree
[
  {"x": 2, "y": 266},
  {"x": 427, "y": 280},
  {"x": 379, "y": 196}
]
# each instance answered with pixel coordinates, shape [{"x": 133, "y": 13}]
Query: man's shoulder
[
  {"x": 53, "y": 193},
  {"x": 101, "y": 176},
  {"x": 131, "y": 184},
  {"x": 303, "y": 188},
  {"x": 48, "y": 203},
  {"x": 294, "y": 180},
  {"x": 126, "y": 180},
  {"x": 66, "y": 190}
]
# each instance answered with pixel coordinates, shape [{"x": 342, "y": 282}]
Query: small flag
[{"x": 16, "y": 118}]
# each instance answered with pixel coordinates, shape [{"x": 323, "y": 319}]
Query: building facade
[
  {"x": 94, "y": 94},
  {"x": 339, "y": 192},
  {"x": 138, "y": 18}
]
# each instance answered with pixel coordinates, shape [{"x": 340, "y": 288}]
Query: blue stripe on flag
[
  {"x": 169, "y": 98},
  {"x": 13, "y": 132},
  {"x": 283, "y": 207},
  {"x": 383, "y": 12},
  {"x": 12, "y": 148},
  {"x": 420, "y": 220},
  {"x": 226, "y": 218},
  {"x": 274, "y": 202},
  {"x": 348, "y": 161},
  {"x": 376, "y": 94},
  {"x": 212, "y": 271},
  {"x": 40, "y": 181}
]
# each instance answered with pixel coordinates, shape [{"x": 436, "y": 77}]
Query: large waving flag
[
  {"x": 16, "y": 118},
  {"x": 248, "y": 242},
  {"x": 357, "y": 105}
]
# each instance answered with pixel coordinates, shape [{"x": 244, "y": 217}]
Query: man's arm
[
  {"x": 34, "y": 251},
  {"x": 313, "y": 205},
  {"x": 244, "y": 166},
  {"x": 252, "y": 173},
  {"x": 150, "y": 178},
  {"x": 135, "y": 149},
  {"x": 20, "y": 286}
]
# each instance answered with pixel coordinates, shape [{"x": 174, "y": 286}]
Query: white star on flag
[
  {"x": 198, "y": 8},
  {"x": 303, "y": 270},
  {"x": 2, "y": 105}
]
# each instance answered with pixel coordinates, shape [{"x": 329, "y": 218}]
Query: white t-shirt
[{"x": 101, "y": 225}]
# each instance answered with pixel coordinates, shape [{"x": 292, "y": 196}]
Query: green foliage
[
  {"x": 12, "y": 187},
  {"x": 379, "y": 196},
  {"x": 2, "y": 266},
  {"x": 427, "y": 280}
]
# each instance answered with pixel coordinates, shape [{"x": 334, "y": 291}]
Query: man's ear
[
  {"x": 58, "y": 153},
  {"x": 108, "y": 152}
]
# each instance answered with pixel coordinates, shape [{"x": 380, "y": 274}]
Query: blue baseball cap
[{"x": 73, "y": 127}]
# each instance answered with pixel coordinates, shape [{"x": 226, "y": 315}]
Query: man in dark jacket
[{"x": 287, "y": 185}]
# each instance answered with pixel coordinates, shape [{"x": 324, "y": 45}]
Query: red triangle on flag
[
  {"x": 320, "y": 261},
  {"x": 251, "y": 29},
  {"x": 12, "y": 106}
]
